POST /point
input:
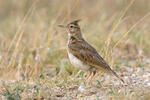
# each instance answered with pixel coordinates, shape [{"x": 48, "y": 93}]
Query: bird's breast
[{"x": 77, "y": 62}]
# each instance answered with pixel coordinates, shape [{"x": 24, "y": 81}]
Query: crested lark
[{"x": 81, "y": 54}]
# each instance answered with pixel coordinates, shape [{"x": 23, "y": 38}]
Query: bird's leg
[
  {"x": 93, "y": 74},
  {"x": 89, "y": 74}
]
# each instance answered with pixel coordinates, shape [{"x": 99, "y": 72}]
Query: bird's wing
[{"x": 86, "y": 53}]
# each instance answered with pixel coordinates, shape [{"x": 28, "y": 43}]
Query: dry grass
[{"x": 33, "y": 57}]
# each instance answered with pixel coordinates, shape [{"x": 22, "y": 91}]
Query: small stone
[
  {"x": 148, "y": 84},
  {"x": 81, "y": 87}
]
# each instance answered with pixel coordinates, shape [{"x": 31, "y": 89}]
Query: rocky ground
[{"x": 102, "y": 87}]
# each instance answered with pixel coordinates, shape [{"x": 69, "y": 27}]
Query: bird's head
[{"x": 72, "y": 28}]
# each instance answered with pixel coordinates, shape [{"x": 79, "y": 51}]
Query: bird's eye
[{"x": 71, "y": 26}]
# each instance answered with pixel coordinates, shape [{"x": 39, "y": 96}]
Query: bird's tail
[{"x": 114, "y": 73}]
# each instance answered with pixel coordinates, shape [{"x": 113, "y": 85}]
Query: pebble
[{"x": 81, "y": 87}]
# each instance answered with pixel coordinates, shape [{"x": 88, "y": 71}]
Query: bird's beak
[{"x": 63, "y": 26}]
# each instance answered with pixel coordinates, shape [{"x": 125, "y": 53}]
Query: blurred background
[
  {"x": 32, "y": 44},
  {"x": 28, "y": 25}
]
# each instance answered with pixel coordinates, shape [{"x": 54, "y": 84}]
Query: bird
[{"x": 82, "y": 55}]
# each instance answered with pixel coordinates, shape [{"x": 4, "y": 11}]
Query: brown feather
[
  {"x": 86, "y": 53},
  {"x": 83, "y": 51}
]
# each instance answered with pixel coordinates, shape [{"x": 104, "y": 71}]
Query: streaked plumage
[{"x": 82, "y": 54}]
